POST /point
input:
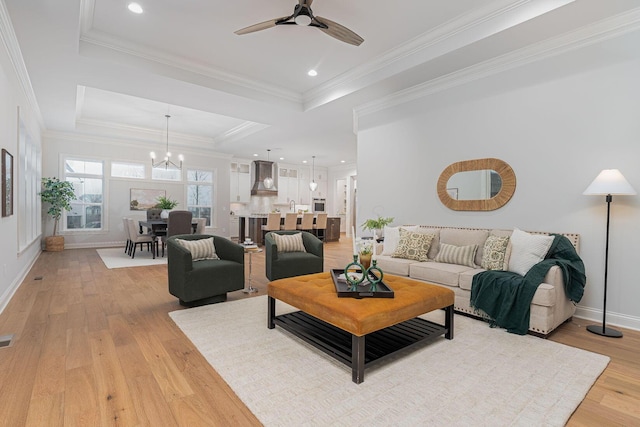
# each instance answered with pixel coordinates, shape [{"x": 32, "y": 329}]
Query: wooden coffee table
[{"x": 360, "y": 332}]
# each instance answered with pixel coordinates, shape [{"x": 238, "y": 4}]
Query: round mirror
[{"x": 476, "y": 185}]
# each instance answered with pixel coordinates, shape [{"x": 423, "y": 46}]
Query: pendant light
[
  {"x": 166, "y": 162},
  {"x": 313, "y": 185},
  {"x": 268, "y": 181}
]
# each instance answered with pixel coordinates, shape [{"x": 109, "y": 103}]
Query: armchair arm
[
  {"x": 226, "y": 249},
  {"x": 179, "y": 256},
  {"x": 312, "y": 244},
  {"x": 270, "y": 247}
]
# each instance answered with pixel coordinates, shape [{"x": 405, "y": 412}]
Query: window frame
[
  {"x": 104, "y": 228},
  {"x": 212, "y": 184}
]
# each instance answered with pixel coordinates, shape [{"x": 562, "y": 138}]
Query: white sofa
[{"x": 550, "y": 306}]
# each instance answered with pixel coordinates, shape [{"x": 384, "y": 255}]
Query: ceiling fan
[{"x": 302, "y": 15}]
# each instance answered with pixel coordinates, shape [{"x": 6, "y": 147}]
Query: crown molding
[
  {"x": 241, "y": 131},
  {"x": 447, "y": 37},
  {"x": 605, "y": 29},
  {"x": 10, "y": 42}
]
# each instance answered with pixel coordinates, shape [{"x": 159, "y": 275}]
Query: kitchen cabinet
[
  {"x": 240, "y": 182},
  {"x": 287, "y": 185},
  {"x": 332, "y": 233}
]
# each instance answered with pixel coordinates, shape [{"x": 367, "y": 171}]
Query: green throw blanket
[{"x": 506, "y": 297}]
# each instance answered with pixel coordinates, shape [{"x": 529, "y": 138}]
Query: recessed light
[
  {"x": 304, "y": 161},
  {"x": 281, "y": 158},
  {"x": 312, "y": 73},
  {"x": 135, "y": 8},
  {"x": 341, "y": 161},
  {"x": 255, "y": 154}
]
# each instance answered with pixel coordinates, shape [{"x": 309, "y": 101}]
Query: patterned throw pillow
[
  {"x": 289, "y": 242},
  {"x": 493, "y": 254},
  {"x": 461, "y": 255},
  {"x": 200, "y": 249},
  {"x": 413, "y": 245}
]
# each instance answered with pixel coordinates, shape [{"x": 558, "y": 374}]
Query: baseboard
[
  {"x": 13, "y": 287},
  {"x": 613, "y": 319}
]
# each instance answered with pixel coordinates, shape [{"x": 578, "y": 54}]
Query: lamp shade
[{"x": 610, "y": 181}]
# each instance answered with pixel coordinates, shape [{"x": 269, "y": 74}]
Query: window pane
[
  {"x": 199, "y": 176},
  {"x": 200, "y": 212},
  {"x": 166, "y": 174},
  {"x": 127, "y": 170},
  {"x": 199, "y": 195},
  {"x": 83, "y": 167}
]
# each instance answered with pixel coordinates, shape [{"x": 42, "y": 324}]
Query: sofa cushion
[
  {"x": 527, "y": 250},
  {"x": 413, "y": 245},
  {"x": 466, "y": 278},
  {"x": 289, "y": 242},
  {"x": 392, "y": 237},
  {"x": 461, "y": 255},
  {"x": 437, "y": 272},
  {"x": 397, "y": 266},
  {"x": 200, "y": 249},
  {"x": 494, "y": 252},
  {"x": 464, "y": 237}
]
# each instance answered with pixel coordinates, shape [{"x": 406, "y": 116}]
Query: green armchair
[
  {"x": 288, "y": 264},
  {"x": 206, "y": 281}
]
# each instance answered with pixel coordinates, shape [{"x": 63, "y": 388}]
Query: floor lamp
[{"x": 608, "y": 183}]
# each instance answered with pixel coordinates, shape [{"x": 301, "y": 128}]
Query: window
[
  {"x": 127, "y": 170},
  {"x": 200, "y": 194},
  {"x": 87, "y": 179},
  {"x": 167, "y": 174}
]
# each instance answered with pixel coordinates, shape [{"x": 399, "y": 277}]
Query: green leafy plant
[
  {"x": 376, "y": 224},
  {"x": 166, "y": 203},
  {"x": 366, "y": 248},
  {"x": 59, "y": 195}
]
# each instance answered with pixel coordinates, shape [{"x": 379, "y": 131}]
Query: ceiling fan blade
[
  {"x": 261, "y": 26},
  {"x": 305, "y": 2},
  {"x": 339, "y": 32}
]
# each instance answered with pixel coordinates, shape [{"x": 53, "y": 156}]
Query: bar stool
[
  {"x": 320, "y": 225},
  {"x": 306, "y": 223},
  {"x": 290, "y": 221},
  {"x": 273, "y": 224}
]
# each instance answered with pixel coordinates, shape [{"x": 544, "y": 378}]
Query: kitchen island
[{"x": 256, "y": 221}]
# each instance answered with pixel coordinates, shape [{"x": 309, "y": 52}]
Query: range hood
[{"x": 263, "y": 169}]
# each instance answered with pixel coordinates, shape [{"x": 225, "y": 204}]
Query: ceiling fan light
[
  {"x": 302, "y": 20},
  {"x": 135, "y": 8}
]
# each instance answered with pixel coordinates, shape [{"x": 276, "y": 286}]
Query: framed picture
[
  {"x": 7, "y": 183},
  {"x": 142, "y": 199},
  {"x": 453, "y": 193}
]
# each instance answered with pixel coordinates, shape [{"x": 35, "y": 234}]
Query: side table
[{"x": 250, "y": 250}]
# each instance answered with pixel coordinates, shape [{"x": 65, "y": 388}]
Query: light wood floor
[{"x": 96, "y": 347}]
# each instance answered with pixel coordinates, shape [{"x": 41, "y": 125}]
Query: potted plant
[
  {"x": 365, "y": 251},
  {"x": 58, "y": 194},
  {"x": 376, "y": 225},
  {"x": 166, "y": 205}
]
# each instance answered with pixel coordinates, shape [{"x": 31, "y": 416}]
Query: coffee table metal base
[{"x": 360, "y": 352}]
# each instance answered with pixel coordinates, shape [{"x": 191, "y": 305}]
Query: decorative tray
[{"x": 364, "y": 289}]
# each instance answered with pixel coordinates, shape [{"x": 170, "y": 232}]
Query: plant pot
[
  {"x": 54, "y": 243},
  {"x": 365, "y": 260},
  {"x": 164, "y": 214}
]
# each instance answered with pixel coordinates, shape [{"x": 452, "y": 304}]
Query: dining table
[{"x": 158, "y": 228}]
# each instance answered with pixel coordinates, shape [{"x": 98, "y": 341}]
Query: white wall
[
  {"x": 557, "y": 136},
  {"x": 13, "y": 265},
  {"x": 117, "y": 191}
]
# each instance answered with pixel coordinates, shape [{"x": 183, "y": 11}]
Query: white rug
[
  {"x": 116, "y": 258},
  {"x": 483, "y": 376}
]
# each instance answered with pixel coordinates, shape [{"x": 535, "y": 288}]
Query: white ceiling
[{"x": 95, "y": 67}]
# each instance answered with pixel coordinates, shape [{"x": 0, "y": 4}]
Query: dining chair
[
  {"x": 179, "y": 222},
  {"x": 153, "y": 214},
  {"x": 273, "y": 223},
  {"x": 140, "y": 239},
  {"x": 307, "y": 222},
  {"x": 202, "y": 223},
  {"x": 320, "y": 225},
  {"x": 290, "y": 221},
  {"x": 125, "y": 223}
]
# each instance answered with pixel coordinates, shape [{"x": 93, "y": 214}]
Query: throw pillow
[
  {"x": 392, "y": 237},
  {"x": 289, "y": 242},
  {"x": 461, "y": 255},
  {"x": 494, "y": 252},
  {"x": 200, "y": 249},
  {"x": 413, "y": 245},
  {"x": 527, "y": 250}
]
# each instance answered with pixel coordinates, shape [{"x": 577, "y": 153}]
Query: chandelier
[{"x": 166, "y": 162}]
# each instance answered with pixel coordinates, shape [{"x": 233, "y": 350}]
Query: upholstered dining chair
[
  {"x": 289, "y": 259},
  {"x": 203, "y": 268},
  {"x": 320, "y": 226},
  {"x": 179, "y": 222},
  {"x": 125, "y": 223},
  {"x": 290, "y": 221},
  {"x": 153, "y": 214},
  {"x": 307, "y": 222},
  {"x": 202, "y": 223},
  {"x": 273, "y": 224},
  {"x": 139, "y": 239}
]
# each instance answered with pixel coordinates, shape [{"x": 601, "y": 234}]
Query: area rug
[
  {"x": 116, "y": 258},
  {"x": 483, "y": 376}
]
